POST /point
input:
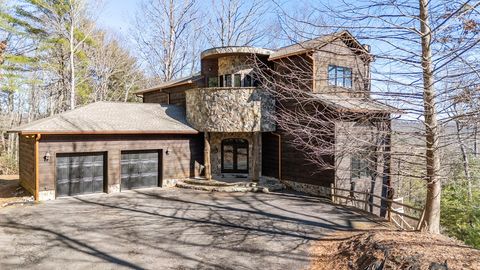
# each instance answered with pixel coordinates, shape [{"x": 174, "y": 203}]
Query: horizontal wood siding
[
  {"x": 155, "y": 97},
  {"x": 173, "y": 95},
  {"x": 26, "y": 162},
  {"x": 270, "y": 148},
  {"x": 296, "y": 167},
  {"x": 185, "y": 153}
]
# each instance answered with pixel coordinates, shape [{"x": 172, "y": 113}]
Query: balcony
[{"x": 230, "y": 109}]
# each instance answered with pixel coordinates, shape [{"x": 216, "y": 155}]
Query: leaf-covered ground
[{"x": 392, "y": 249}]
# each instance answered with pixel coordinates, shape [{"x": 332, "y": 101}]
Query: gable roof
[
  {"x": 363, "y": 105},
  {"x": 113, "y": 118},
  {"x": 180, "y": 81},
  {"x": 316, "y": 44}
]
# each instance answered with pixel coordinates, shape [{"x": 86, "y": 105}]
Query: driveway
[{"x": 170, "y": 229}]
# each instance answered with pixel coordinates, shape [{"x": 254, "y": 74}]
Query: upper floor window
[
  {"x": 360, "y": 167},
  {"x": 212, "y": 82},
  {"x": 228, "y": 80},
  {"x": 237, "y": 80},
  {"x": 220, "y": 80},
  {"x": 340, "y": 76},
  {"x": 247, "y": 80}
]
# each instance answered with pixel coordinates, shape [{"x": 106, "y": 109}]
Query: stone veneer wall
[
  {"x": 309, "y": 189},
  {"x": 234, "y": 64},
  {"x": 216, "y": 150},
  {"x": 246, "y": 109}
]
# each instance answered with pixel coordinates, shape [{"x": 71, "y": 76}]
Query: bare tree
[
  {"x": 413, "y": 42},
  {"x": 164, "y": 30},
  {"x": 235, "y": 22}
]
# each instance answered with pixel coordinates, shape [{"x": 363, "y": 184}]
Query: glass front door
[{"x": 234, "y": 156}]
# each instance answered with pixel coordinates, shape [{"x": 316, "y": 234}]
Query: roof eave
[
  {"x": 156, "y": 88},
  {"x": 113, "y": 132}
]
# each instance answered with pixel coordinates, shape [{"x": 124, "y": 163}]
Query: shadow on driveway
[{"x": 170, "y": 229}]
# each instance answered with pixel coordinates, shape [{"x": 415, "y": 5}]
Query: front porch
[{"x": 233, "y": 156}]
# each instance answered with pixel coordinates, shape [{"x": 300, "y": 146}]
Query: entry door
[
  {"x": 140, "y": 169},
  {"x": 79, "y": 173},
  {"x": 235, "y": 156}
]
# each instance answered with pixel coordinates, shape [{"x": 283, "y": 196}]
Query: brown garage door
[
  {"x": 80, "y": 173},
  {"x": 140, "y": 169}
]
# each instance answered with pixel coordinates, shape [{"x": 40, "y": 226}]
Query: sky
[{"x": 118, "y": 14}]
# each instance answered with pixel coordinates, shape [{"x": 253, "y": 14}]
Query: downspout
[
  {"x": 37, "y": 186},
  {"x": 279, "y": 155}
]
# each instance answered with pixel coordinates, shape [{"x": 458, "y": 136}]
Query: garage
[
  {"x": 140, "y": 169},
  {"x": 80, "y": 173}
]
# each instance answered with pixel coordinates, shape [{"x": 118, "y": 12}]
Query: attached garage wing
[
  {"x": 140, "y": 169},
  {"x": 80, "y": 173}
]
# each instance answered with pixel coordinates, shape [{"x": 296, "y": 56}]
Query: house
[{"x": 214, "y": 124}]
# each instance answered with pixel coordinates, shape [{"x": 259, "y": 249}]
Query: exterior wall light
[{"x": 46, "y": 157}]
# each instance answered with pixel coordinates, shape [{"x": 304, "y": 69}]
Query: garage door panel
[
  {"x": 139, "y": 169},
  {"x": 80, "y": 174}
]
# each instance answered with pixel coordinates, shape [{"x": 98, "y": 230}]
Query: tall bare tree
[
  {"x": 235, "y": 22},
  {"x": 165, "y": 30},
  {"x": 413, "y": 42}
]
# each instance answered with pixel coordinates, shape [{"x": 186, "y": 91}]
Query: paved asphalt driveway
[{"x": 169, "y": 229}]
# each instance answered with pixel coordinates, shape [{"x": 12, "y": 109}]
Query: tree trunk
[
  {"x": 431, "y": 221},
  {"x": 72, "y": 67},
  {"x": 466, "y": 165}
]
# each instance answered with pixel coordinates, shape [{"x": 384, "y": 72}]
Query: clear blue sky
[{"x": 118, "y": 14}]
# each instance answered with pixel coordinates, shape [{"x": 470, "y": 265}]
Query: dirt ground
[
  {"x": 392, "y": 249},
  {"x": 11, "y": 193}
]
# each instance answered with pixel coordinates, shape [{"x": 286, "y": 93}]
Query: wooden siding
[
  {"x": 270, "y": 148},
  {"x": 340, "y": 54},
  {"x": 296, "y": 167},
  {"x": 185, "y": 153},
  {"x": 155, "y": 97},
  {"x": 26, "y": 164},
  {"x": 173, "y": 95}
]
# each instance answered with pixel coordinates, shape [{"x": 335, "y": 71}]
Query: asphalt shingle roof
[{"x": 113, "y": 118}]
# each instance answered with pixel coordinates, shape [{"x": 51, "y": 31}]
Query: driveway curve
[{"x": 170, "y": 229}]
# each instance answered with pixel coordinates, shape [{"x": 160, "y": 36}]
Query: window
[
  {"x": 228, "y": 80},
  {"x": 220, "y": 80},
  {"x": 360, "y": 167},
  {"x": 247, "y": 81},
  {"x": 237, "y": 80},
  {"x": 340, "y": 76},
  {"x": 212, "y": 82}
]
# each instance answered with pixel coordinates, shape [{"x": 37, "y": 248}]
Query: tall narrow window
[
  {"x": 237, "y": 80},
  {"x": 228, "y": 80},
  {"x": 340, "y": 76},
  {"x": 220, "y": 80},
  {"x": 247, "y": 81}
]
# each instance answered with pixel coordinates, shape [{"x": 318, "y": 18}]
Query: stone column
[
  {"x": 257, "y": 156},
  {"x": 206, "y": 153}
]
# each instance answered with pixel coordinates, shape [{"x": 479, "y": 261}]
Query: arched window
[{"x": 234, "y": 156}]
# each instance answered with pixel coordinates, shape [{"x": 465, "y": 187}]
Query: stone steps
[{"x": 218, "y": 186}]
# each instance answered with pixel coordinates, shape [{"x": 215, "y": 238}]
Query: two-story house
[{"x": 214, "y": 124}]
